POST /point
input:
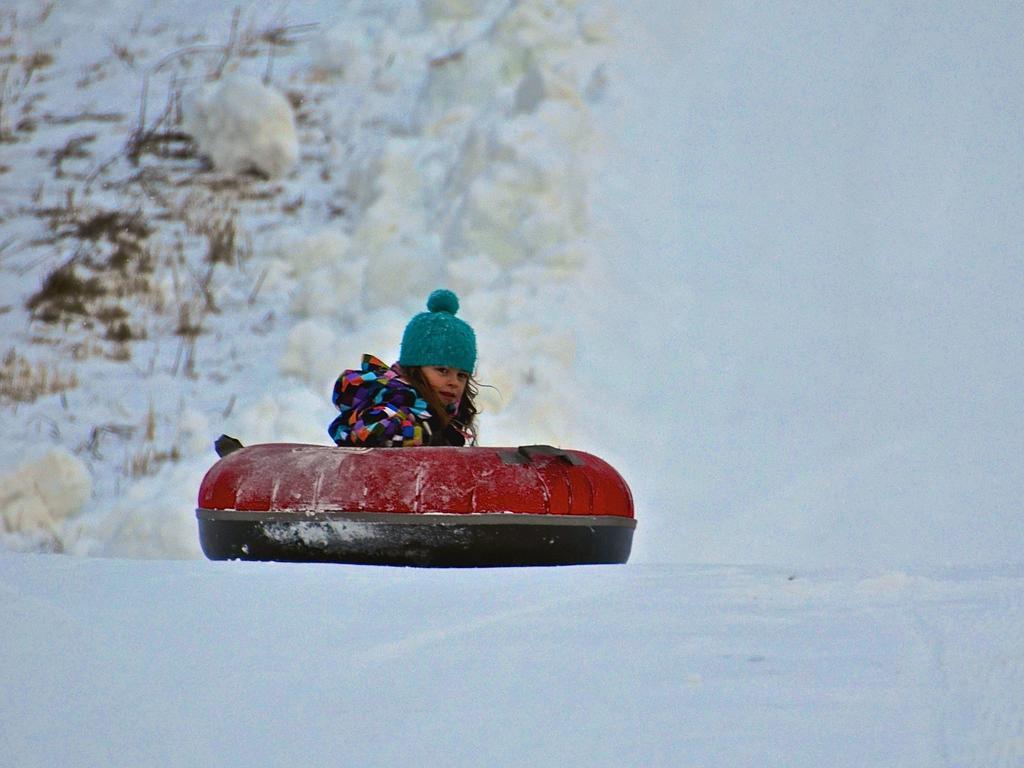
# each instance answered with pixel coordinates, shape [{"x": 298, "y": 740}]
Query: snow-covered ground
[
  {"x": 112, "y": 662},
  {"x": 764, "y": 258}
]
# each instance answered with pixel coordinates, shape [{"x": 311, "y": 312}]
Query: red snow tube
[{"x": 532, "y": 505}]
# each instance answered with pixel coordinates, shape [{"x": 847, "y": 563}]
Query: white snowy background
[{"x": 763, "y": 257}]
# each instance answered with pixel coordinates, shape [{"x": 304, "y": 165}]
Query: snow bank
[
  {"x": 242, "y": 125},
  {"x": 486, "y": 192},
  {"x": 444, "y": 144}
]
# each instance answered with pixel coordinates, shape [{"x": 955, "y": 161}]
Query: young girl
[{"x": 426, "y": 398}]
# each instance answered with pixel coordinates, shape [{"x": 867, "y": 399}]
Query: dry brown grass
[
  {"x": 24, "y": 381},
  {"x": 17, "y": 75},
  {"x": 110, "y": 267}
]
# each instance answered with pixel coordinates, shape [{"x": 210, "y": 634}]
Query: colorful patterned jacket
[{"x": 378, "y": 408}]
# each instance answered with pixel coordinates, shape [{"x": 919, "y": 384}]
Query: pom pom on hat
[
  {"x": 437, "y": 337},
  {"x": 443, "y": 300}
]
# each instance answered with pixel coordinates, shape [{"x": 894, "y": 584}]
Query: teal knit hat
[{"x": 438, "y": 337}]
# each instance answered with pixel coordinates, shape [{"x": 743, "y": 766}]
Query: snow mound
[
  {"x": 243, "y": 125},
  {"x": 38, "y": 496}
]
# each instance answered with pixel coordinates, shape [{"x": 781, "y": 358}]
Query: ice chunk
[
  {"x": 38, "y": 496},
  {"x": 243, "y": 125}
]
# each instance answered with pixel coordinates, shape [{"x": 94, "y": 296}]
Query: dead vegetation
[
  {"x": 113, "y": 268},
  {"x": 74, "y": 149},
  {"x": 110, "y": 265},
  {"x": 64, "y": 293},
  {"x": 147, "y": 461},
  {"x": 18, "y": 73},
  {"x": 152, "y": 455},
  {"x": 24, "y": 381}
]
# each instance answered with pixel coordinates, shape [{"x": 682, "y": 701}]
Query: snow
[
  {"x": 763, "y": 258},
  {"x": 241, "y": 664}
]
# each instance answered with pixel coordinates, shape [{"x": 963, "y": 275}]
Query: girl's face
[{"x": 448, "y": 383}]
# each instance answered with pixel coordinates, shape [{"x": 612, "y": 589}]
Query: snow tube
[{"x": 445, "y": 507}]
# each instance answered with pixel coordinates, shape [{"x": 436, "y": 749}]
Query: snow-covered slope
[
  {"x": 814, "y": 216},
  {"x": 120, "y": 663}
]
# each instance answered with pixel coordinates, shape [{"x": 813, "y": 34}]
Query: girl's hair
[{"x": 464, "y": 418}]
